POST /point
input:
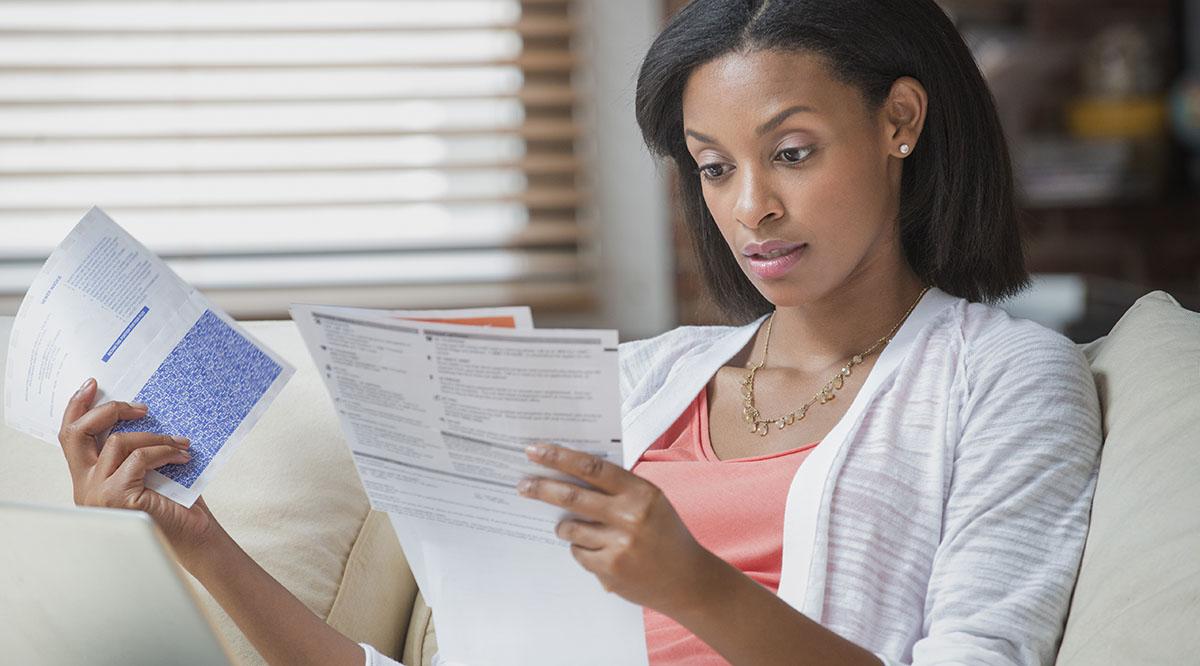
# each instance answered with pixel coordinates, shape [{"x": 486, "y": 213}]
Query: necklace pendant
[{"x": 750, "y": 412}]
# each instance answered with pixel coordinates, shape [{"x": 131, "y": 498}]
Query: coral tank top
[{"x": 732, "y": 507}]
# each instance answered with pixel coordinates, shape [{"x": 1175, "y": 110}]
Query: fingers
[
  {"x": 585, "y": 502},
  {"x": 587, "y": 535},
  {"x": 78, "y": 437},
  {"x": 79, "y": 449},
  {"x": 80, "y": 402},
  {"x": 600, "y": 473},
  {"x": 102, "y": 418},
  {"x": 119, "y": 446},
  {"x": 592, "y": 560},
  {"x": 132, "y": 472}
]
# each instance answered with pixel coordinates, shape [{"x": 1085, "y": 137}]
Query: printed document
[
  {"x": 104, "y": 306},
  {"x": 437, "y": 416}
]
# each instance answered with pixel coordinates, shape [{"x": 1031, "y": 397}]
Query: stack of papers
[{"x": 438, "y": 416}]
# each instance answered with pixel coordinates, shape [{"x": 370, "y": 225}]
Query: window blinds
[{"x": 395, "y": 153}]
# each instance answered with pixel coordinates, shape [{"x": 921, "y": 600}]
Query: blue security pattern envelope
[{"x": 104, "y": 306}]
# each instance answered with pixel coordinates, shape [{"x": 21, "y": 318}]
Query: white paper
[
  {"x": 408, "y": 530},
  {"x": 104, "y": 306},
  {"x": 437, "y": 417}
]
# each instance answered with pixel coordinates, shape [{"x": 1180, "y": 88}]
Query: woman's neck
[{"x": 844, "y": 322}]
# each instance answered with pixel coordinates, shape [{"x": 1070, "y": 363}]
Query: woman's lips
[{"x": 774, "y": 267}]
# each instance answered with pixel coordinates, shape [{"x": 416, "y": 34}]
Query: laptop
[{"x": 96, "y": 586}]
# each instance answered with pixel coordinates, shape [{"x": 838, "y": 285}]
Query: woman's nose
[{"x": 756, "y": 202}]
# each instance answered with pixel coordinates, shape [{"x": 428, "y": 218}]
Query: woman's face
[{"x": 795, "y": 171}]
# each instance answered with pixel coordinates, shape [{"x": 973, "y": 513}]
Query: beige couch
[{"x": 292, "y": 499}]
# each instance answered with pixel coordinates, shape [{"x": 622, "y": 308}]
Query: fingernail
[
  {"x": 185, "y": 455},
  {"x": 139, "y": 405},
  {"x": 524, "y": 485},
  {"x": 182, "y": 441},
  {"x": 535, "y": 450},
  {"x": 86, "y": 383}
]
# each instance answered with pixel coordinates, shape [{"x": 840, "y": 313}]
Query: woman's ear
[{"x": 903, "y": 116}]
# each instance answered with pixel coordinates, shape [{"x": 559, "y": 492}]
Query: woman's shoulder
[
  {"x": 995, "y": 341},
  {"x": 1009, "y": 361},
  {"x": 676, "y": 341},
  {"x": 657, "y": 355},
  {"x": 680, "y": 337}
]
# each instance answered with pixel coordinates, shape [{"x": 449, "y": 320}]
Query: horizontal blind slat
[
  {"x": 255, "y": 51},
  {"x": 201, "y": 15},
  {"x": 532, "y": 130},
  {"x": 201, "y": 189},
  {"x": 544, "y": 61},
  {"x": 557, "y": 197},
  {"x": 176, "y": 232},
  {"x": 541, "y": 27},
  {"x": 572, "y": 294},
  {"x": 82, "y": 86},
  {"x": 541, "y": 165},
  {"x": 432, "y": 267},
  {"x": 418, "y": 151},
  {"x": 383, "y": 117},
  {"x": 532, "y": 95}
]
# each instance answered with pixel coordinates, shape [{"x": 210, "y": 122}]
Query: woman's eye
[
  {"x": 793, "y": 155},
  {"x": 712, "y": 171}
]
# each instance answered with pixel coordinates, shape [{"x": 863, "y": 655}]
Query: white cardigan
[{"x": 943, "y": 518}]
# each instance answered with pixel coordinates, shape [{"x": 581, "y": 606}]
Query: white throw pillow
[{"x": 1137, "y": 600}]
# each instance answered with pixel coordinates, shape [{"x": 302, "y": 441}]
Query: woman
[{"x": 848, "y": 189}]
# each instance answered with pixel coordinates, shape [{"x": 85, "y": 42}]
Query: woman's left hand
[{"x": 627, "y": 533}]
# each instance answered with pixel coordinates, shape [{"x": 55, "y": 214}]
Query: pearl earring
[{"x": 904, "y": 149}]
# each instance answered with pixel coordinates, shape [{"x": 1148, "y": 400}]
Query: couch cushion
[
  {"x": 375, "y": 601},
  {"x": 290, "y": 496},
  {"x": 1137, "y": 599},
  {"x": 420, "y": 645}
]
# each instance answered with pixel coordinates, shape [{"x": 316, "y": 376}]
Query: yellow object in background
[{"x": 1125, "y": 118}]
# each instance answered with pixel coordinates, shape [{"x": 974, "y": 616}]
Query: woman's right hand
[{"x": 113, "y": 475}]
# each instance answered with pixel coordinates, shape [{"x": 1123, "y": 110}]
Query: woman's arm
[
  {"x": 637, "y": 546},
  {"x": 279, "y": 626},
  {"x": 1017, "y": 506}
]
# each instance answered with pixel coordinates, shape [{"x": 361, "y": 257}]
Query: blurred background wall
[{"x": 448, "y": 153}]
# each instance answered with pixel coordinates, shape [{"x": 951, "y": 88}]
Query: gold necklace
[{"x": 761, "y": 426}]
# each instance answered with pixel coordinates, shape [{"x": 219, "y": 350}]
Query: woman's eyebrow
[
  {"x": 701, "y": 137},
  {"x": 778, "y": 119},
  {"x": 762, "y": 129}
]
